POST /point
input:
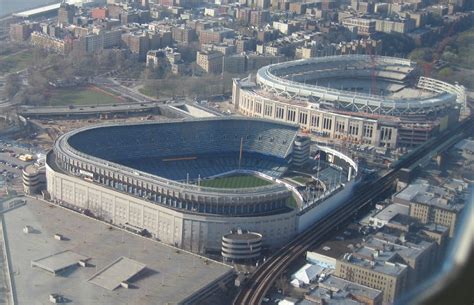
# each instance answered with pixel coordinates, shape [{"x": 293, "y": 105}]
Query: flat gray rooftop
[
  {"x": 58, "y": 262},
  {"x": 119, "y": 271},
  {"x": 169, "y": 276},
  {"x": 342, "y": 285},
  {"x": 390, "y": 211}
]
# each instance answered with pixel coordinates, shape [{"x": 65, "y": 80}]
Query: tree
[
  {"x": 35, "y": 99},
  {"x": 38, "y": 81},
  {"x": 421, "y": 54},
  {"x": 188, "y": 52},
  {"x": 450, "y": 56},
  {"x": 6, "y": 66},
  {"x": 445, "y": 73},
  {"x": 396, "y": 44},
  {"x": 12, "y": 84}
]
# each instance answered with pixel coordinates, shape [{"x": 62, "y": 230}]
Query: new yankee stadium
[
  {"x": 376, "y": 100},
  {"x": 189, "y": 182}
]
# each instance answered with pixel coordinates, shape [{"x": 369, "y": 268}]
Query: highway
[
  {"x": 264, "y": 277},
  {"x": 52, "y": 111}
]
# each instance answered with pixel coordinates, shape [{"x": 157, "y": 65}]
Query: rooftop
[
  {"x": 331, "y": 298},
  {"x": 32, "y": 169},
  {"x": 121, "y": 270},
  {"x": 58, "y": 262},
  {"x": 384, "y": 267},
  {"x": 343, "y": 287},
  {"x": 389, "y": 212},
  {"x": 466, "y": 145},
  {"x": 169, "y": 277},
  {"x": 387, "y": 248},
  {"x": 243, "y": 236},
  {"x": 340, "y": 245},
  {"x": 424, "y": 193}
]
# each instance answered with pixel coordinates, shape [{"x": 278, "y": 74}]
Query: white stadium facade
[
  {"x": 376, "y": 100},
  {"x": 150, "y": 176}
]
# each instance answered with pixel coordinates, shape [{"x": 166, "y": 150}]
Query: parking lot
[{"x": 11, "y": 167}]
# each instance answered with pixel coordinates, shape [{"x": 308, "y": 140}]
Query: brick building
[
  {"x": 211, "y": 62},
  {"x": 99, "y": 13},
  {"x": 215, "y": 35},
  {"x": 183, "y": 34},
  {"x": 66, "y": 13}
]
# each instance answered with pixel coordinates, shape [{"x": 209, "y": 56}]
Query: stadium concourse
[
  {"x": 360, "y": 99},
  {"x": 189, "y": 182}
]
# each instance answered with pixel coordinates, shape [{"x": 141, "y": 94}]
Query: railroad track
[{"x": 263, "y": 278}]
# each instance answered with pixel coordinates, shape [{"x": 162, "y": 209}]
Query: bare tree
[{"x": 12, "y": 84}]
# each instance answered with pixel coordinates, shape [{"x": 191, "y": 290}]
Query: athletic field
[
  {"x": 236, "y": 182},
  {"x": 78, "y": 96}
]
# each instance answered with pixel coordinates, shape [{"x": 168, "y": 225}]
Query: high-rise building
[
  {"x": 183, "y": 34},
  {"x": 211, "y": 62},
  {"x": 235, "y": 63},
  {"x": 245, "y": 44},
  {"x": 259, "y": 17},
  {"x": 66, "y": 13},
  {"x": 52, "y": 44},
  {"x": 215, "y": 35},
  {"x": 362, "y": 26},
  {"x": 22, "y": 31},
  {"x": 99, "y": 13}
]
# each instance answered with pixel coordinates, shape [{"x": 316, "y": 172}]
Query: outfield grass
[
  {"x": 236, "y": 182},
  {"x": 15, "y": 62},
  {"x": 301, "y": 179},
  {"x": 292, "y": 202},
  {"x": 81, "y": 96}
]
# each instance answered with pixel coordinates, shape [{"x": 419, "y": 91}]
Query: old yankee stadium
[{"x": 189, "y": 182}]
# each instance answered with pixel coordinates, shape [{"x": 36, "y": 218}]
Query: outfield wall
[{"x": 321, "y": 210}]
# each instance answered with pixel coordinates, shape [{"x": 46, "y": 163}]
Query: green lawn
[
  {"x": 15, "y": 62},
  {"x": 147, "y": 91},
  {"x": 234, "y": 182},
  {"x": 81, "y": 96},
  {"x": 301, "y": 179},
  {"x": 292, "y": 202}
]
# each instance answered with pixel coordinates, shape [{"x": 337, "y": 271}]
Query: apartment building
[
  {"x": 21, "y": 31},
  {"x": 395, "y": 26},
  {"x": 335, "y": 290},
  {"x": 432, "y": 204},
  {"x": 183, "y": 34},
  {"x": 361, "y": 26},
  {"x": 167, "y": 59},
  {"x": 66, "y": 13},
  {"x": 215, "y": 35},
  {"x": 391, "y": 278},
  {"x": 210, "y": 61},
  {"x": 52, "y": 44}
]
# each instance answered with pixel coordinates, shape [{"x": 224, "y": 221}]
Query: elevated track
[{"x": 264, "y": 277}]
